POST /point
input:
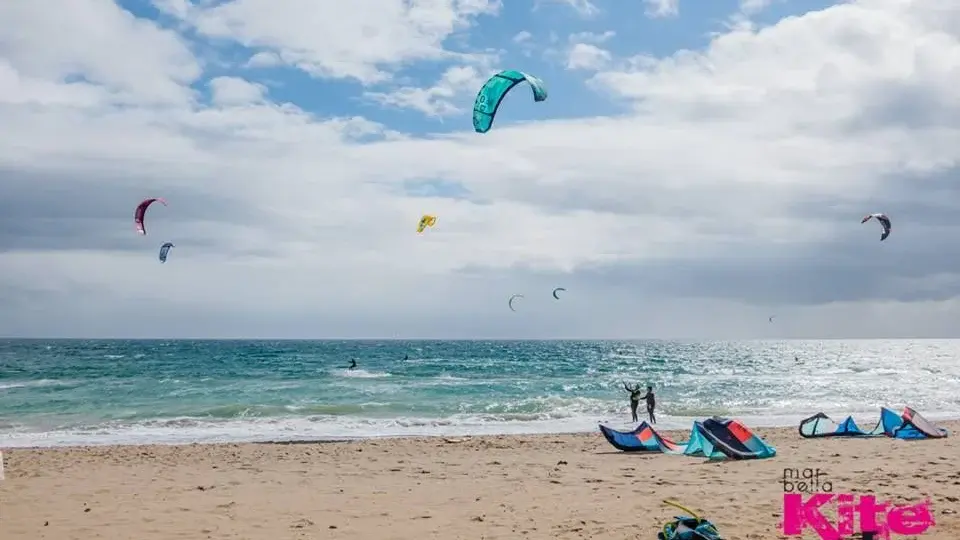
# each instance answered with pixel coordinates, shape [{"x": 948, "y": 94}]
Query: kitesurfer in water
[
  {"x": 353, "y": 364},
  {"x": 634, "y": 399}
]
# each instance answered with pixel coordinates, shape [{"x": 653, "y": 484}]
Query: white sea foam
[{"x": 186, "y": 430}]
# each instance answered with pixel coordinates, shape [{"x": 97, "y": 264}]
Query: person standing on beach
[
  {"x": 651, "y": 404},
  {"x": 634, "y": 399}
]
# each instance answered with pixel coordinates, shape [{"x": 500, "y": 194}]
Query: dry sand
[{"x": 508, "y": 487}]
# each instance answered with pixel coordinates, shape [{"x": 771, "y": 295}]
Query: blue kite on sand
[
  {"x": 908, "y": 425},
  {"x": 714, "y": 438}
]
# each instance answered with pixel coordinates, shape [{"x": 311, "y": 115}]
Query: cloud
[
  {"x": 751, "y": 7},
  {"x": 364, "y": 43},
  {"x": 235, "y": 91},
  {"x": 586, "y": 56},
  {"x": 583, "y": 52},
  {"x": 732, "y": 186},
  {"x": 592, "y": 37},
  {"x": 264, "y": 59},
  {"x": 584, "y": 8},
  {"x": 133, "y": 58},
  {"x": 522, "y": 37},
  {"x": 663, "y": 8},
  {"x": 437, "y": 100}
]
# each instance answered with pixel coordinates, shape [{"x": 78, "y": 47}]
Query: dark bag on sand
[{"x": 689, "y": 528}]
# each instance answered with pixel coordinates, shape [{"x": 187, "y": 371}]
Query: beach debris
[
  {"x": 301, "y": 523},
  {"x": 683, "y": 527}
]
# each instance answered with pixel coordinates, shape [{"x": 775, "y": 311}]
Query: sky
[{"x": 697, "y": 168}]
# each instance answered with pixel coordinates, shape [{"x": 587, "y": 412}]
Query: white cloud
[
  {"x": 585, "y": 56},
  {"x": 264, "y": 59},
  {"x": 751, "y": 7},
  {"x": 592, "y": 37},
  {"x": 740, "y": 174},
  {"x": 131, "y": 59},
  {"x": 437, "y": 100},
  {"x": 662, "y": 8},
  {"x": 235, "y": 91},
  {"x": 585, "y": 8},
  {"x": 364, "y": 42},
  {"x": 522, "y": 37},
  {"x": 525, "y": 43}
]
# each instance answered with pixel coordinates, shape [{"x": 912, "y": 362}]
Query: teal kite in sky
[{"x": 493, "y": 92}]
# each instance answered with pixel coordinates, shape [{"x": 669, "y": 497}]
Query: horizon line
[{"x": 187, "y": 338}]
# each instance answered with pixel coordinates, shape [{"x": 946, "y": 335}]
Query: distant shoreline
[
  {"x": 486, "y": 339},
  {"x": 673, "y": 429}
]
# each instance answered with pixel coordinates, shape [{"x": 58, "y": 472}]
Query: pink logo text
[{"x": 877, "y": 518}]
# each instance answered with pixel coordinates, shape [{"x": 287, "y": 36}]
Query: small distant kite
[
  {"x": 164, "y": 250},
  {"x": 426, "y": 221},
  {"x": 512, "y": 298},
  {"x": 884, "y": 222},
  {"x": 495, "y": 89},
  {"x": 555, "y": 291},
  {"x": 772, "y": 317},
  {"x": 141, "y": 212}
]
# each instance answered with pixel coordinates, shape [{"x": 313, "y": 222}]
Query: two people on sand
[{"x": 635, "y": 397}]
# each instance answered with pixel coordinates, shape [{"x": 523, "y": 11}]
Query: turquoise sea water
[{"x": 105, "y": 391}]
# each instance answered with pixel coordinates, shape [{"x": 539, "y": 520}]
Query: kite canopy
[
  {"x": 714, "y": 438},
  {"x": 426, "y": 221},
  {"x": 512, "y": 298},
  {"x": 722, "y": 438},
  {"x": 555, "y": 291},
  {"x": 495, "y": 89},
  {"x": 884, "y": 222},
  {"x": 642, "y": 439},
  {"x": 141, "y": 212},
  {"x": 909, "y": 425},
  {"x": 164, "y": 250}
]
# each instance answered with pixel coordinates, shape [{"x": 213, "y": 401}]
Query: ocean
[{"x": 73, "y": 392}]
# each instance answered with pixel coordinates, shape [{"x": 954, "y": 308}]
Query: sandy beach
[{"x": 495, "y": 487}]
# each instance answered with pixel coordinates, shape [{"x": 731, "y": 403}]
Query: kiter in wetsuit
[
  {"x": 651, "y": 404},
  {"x": 353, "y": 364},
  {"x": 634, "y": 399}
]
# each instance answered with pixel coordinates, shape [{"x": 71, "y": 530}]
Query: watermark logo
[{"x": 807, "y": 491}]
